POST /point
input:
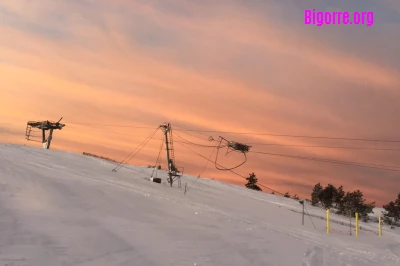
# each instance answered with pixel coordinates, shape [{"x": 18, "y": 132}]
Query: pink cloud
[{"x": 102, "y": 72}]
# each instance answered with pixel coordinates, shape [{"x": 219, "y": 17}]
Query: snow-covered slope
[{"x": 59, "y": 208}]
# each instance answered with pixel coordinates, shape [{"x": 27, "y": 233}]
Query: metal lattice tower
[{"x": 173, "y": 172}]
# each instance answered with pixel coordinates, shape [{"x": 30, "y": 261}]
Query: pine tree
[
  {"x": 391, "y": 215},
  {"x": 316, "y": 195},
  {"x": 338, "y": 200},
  {"x": 339, "y": 195},
  {"x": 295, "y": 197},
  {"x": 252, "y": 182},
  {"x": 328, "y": 196},
  {"x": 287, "y": 195},
  {"x": 354, "y": 202}
]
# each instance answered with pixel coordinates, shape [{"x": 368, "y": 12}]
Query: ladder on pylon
[
  {"x": 171, "y": 147},
  {"x": 176, "y": 174}
]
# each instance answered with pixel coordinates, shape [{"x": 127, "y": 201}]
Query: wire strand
[
  {"x": 292, "y": 136},
  {"x": 192, "y": 143},
  {"x": 224, "y": 168},
  {"x": 185, "y": 129},
  {"x": 374, "y": 166},
  {"x": 142, "y": 143},
  {"x": 233, "y": 172},
  {"x": 209, "y": 159},
  {"x": 148, "y": 139},
  {"x": 103, "y": 125},
  {"x": 251, "y": 143},
  {"x": 305, "y": 209},
  {"x": 158, "y": 157},
  {"x": 323, "y": 146},
  {"x": 201, "y": 172}
]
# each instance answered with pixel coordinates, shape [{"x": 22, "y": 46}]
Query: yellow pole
[
  {"x": 380, "y": 227},
  {"x": 356, "y": 224},
  {"x": 328, "y": 228}
]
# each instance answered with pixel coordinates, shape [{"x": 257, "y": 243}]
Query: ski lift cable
[
  {"x": 140, "y": 173},
  {"x": 192, "y": 143},
  {"x": 148, "y": 139},
  {"x": 158, "y": 157},
  {"x": 325, "y": 147},
  {"x": 186, "y": 130},
  {"x": 106, "y": 125},
  {"x": 201, "y": 138},
  {"x": 208, "y": 160},
  {"x": 201, "y": 172},
  {"x": 161, "y": 158},
  {"x": 305, "y": 209},
  {"x": 233, "y": 172},
  {"x": 135, "y": 135},
  {"x": 133, "y": 154},
  {"x": 235, "y": 146},
  {"x": 142, "y": 143},
  {"x": 273, "y": 190},
  {"x": 375, "y": 166},
  {"x": 210, "y": 138},
  {"x": 293, "y": 136},
  {"x": 205, "y": 157}
]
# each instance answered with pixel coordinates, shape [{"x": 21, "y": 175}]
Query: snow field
[{"x": 60, "y": 208}]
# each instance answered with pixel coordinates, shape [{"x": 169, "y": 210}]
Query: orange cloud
[{"x": 228, "y": 69}]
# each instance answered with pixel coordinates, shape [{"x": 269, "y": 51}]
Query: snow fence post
[
  {"x": 356, "y": 224},
  {"x": 350, "y": 221},
  {"x": 379, "y": 226},
  {"x": 327, "y": 221}
]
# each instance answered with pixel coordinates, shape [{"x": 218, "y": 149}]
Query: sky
[{"x": 108, "y": 67}]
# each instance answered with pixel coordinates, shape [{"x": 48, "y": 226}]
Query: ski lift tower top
[{"x": 44, "y": 126}]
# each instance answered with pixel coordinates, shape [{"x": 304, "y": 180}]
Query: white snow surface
[{"x": 60, "y": 208}]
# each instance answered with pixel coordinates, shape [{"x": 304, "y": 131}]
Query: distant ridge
[{"x": 97, "y": 156}]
